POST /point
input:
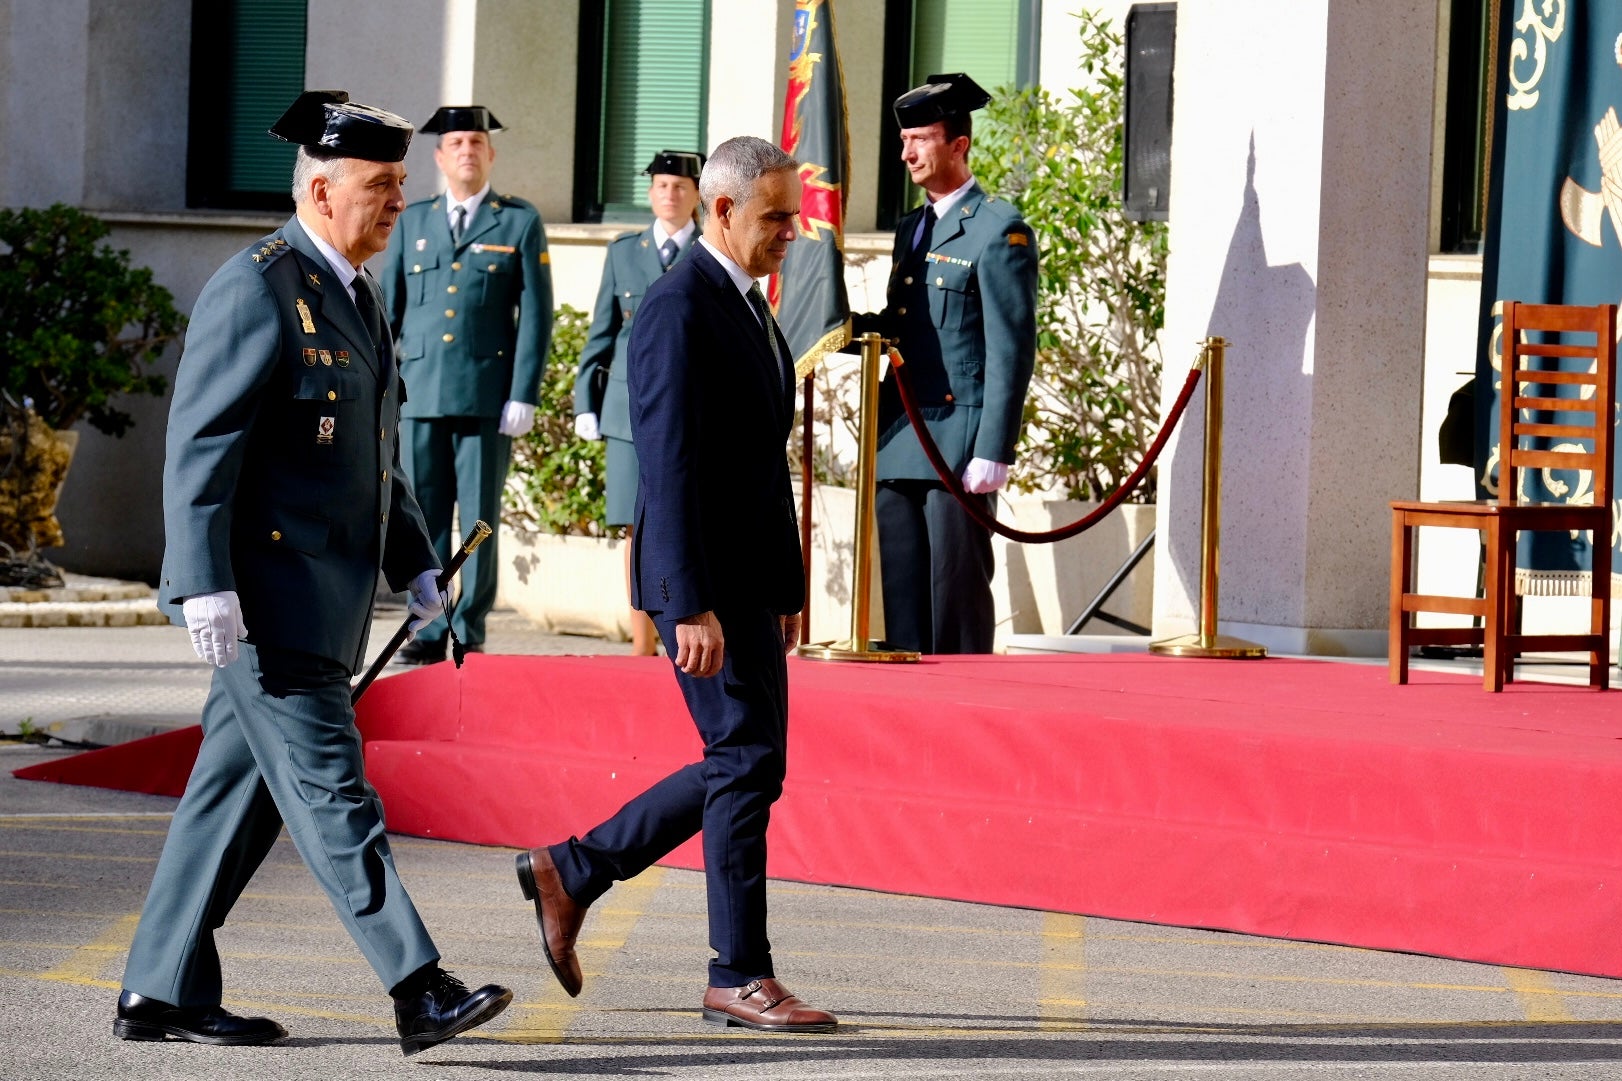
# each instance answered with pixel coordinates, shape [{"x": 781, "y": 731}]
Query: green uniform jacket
[
  {"x": 474, "y": 319},
  {"x": 631, "y": 266},
  {"x": 281, "y": 479},
  {"x": 966, "y": 327}
]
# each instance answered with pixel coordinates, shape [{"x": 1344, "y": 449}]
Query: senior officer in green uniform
[
  {"x": 602, "y": 404},
  {"x": 962, "y": 305},
  {"x": 282, "y": 501},
  {"x": 467, "y": 283}
]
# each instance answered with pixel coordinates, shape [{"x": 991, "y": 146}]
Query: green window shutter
[
  {"x": 655, "y": 86},
  {"x": 978, "y": 37},
  {"x": 268, "y": 73}
]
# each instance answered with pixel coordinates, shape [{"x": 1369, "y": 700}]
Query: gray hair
[
  {"x": 308, "y": 166},
  {"x": 735, "y": 166}
]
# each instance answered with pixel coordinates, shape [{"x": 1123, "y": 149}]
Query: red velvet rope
[{"x": 980, "y": 514}]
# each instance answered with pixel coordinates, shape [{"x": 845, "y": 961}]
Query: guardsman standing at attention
[
  {"x": 467, "y": 284},
  {"x": 282, "y": 502},
  {"x": 962, "y": 305},
  {"x": 601, "y": 403}
]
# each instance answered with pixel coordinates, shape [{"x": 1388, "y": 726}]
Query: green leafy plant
[
  {"x": 79, "y": 326},
  {"x": 556, "y": 483},
  {"x": 1093, "y": 407}
]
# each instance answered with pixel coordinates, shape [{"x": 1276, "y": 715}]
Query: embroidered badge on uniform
[
  {"x": 304, "y": 315},
  {"x": 1018, "y": 240},
  {"x": 315, "y": 280},
  {"x": 323, "y": 429}
]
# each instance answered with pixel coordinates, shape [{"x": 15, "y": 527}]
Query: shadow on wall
[{"x": 1264, "y": 310}]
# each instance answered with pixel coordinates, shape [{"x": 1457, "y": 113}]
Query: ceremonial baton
[{"x": 442, "y": 583}]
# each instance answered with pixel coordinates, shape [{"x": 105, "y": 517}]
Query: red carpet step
[{"x": 1298, "y": 799}]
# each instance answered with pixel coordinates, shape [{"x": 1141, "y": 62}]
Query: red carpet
[{"x": 1301, "y": 799}]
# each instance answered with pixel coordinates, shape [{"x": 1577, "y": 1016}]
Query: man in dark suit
[
  {"x": 467, "y": 284},
  {"x": 962, "y": 306},
  {"x": 602, "y": 404},
  {"x": 716, "y": 563},
  {"x": 283, "y": 500}
]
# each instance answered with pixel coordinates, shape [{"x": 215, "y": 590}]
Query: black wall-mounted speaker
[{"x": 1151, "y": 41}]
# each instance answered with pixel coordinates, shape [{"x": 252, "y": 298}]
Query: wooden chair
[{"x": 1529, "y": 439}]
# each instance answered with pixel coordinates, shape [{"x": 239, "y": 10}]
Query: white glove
[
  {"x": 585, "y": 426},
  {"x": 517, "y": 418},
  {"x": 428, "y": 602},
  {"x": 981, "y": 476},
  {"x": 215, "y": 623}
]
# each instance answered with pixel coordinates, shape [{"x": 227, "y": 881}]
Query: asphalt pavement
[{"x": 924, "y": 988}]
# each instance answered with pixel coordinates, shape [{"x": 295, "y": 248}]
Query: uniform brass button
[
  {"x": 450, "y": 313},
  {"x": 450, "y": 337},
  {"x": 332, "y": 395},
  {"x": 275, "y": 534},
  {"x": 450, "y": 289},
  {"x": 901, "y": 311},
  {"x": 456, "y": 266},
  {"x": 950, "y": 398},
  {"x": 492, "y": 266},
  {"x": 416, "y": 268},
  {"x": 907, "y": 280},
  {"x": 501, "y": 352},
  {"x": 940, "y": 281},
  {"x": 385, "y": 475}
]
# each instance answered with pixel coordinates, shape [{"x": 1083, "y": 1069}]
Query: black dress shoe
[
  {"x": 142, "y": 1018},
  {"x": 443, "y": 1008},
  {"x": 419, "y": 652}
]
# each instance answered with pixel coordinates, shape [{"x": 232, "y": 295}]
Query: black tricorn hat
[
  {"x": 676, "y": 163},
  {"x": 460, "y": 118},
  {"x": 939, "y": 97},
  {"x": 327, "y": 121}
]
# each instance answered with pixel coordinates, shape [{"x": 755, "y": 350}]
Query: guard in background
[
  {"x": 601, "y": 403},
  {"x": 962, "y": 304},
  {"x": 467, "y": 283},
  {"x": 282, "y": 502}
]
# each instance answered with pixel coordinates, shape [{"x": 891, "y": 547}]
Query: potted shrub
[{"x": 79, "y": 327}]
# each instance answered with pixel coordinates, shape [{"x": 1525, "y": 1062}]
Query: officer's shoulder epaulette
[
  {"x": 268, "y": 250},
  {"x": 999, "y": 209},
  {"x": 512, "y": 200},
  {"x": 626, "y": 237},
  {"x": 430, "y": 202}
]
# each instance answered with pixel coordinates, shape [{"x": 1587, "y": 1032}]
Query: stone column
[{"x": 1299, "y": 207}]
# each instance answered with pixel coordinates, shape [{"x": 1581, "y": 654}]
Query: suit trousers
[
  {"x": 936, "y": 563},
  {"x": 459, "y": 465},
  {"x": 742, "y": 715},
  {"x": 279, "y": 745}
]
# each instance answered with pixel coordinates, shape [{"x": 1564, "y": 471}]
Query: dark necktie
[
  {"x": 667, "y": 252},
  {"x": 371, "y": 316},
  {"x": 921, "y": 249},
  {"x": 757, "y": 300},
  {"x": 460, "y": 225}
]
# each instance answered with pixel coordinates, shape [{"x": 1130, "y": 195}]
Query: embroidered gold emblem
[{"x": 304, "y": 316}]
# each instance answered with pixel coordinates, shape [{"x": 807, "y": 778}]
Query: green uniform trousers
[{"x": 279, "y": 745}]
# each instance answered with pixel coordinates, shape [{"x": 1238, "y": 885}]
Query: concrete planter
[{"x": 576, "y": 585}]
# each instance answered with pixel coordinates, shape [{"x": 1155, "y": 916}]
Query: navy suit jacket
[{"x": 711, "y": 414}]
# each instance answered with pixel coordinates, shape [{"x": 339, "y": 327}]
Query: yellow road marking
[
  {"x": 87, "y": 962},
  {"x": 1061, "y": 1002},
  {"x": 548, "y": 1020},
  {"x": 96, "y": 856},
  {"x": 36, "y": 826},
  {"x": 1540, "y": 998}
]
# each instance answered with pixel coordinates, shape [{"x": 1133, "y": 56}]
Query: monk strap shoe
[{"x": 765, "y": 1006}]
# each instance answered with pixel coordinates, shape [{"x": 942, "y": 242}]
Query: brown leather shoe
[
  {"x": 764, "y": 1005},
  {"x": 560, "y": 918}
]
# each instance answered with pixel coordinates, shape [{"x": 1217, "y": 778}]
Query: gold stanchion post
[
  {"x": 1208, "y": 643},
  {"x": 859, "y": 646}
]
